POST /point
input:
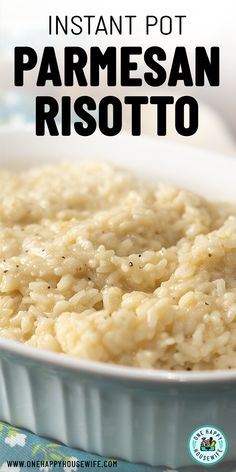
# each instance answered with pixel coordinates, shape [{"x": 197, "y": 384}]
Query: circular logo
[{"x": 207, "y": 445}]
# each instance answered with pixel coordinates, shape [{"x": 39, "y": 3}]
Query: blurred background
[{"x": 210, "y": 23}]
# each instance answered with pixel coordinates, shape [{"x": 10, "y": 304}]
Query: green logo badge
[{"x": 207, "y": 445}]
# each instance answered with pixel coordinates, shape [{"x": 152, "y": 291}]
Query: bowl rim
[{"x": 114, "y": 371}]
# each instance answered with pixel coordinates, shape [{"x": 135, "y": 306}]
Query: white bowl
[{"x": 111, "y": 410}]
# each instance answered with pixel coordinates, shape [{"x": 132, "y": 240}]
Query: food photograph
[{"x": 117, "y": 236}]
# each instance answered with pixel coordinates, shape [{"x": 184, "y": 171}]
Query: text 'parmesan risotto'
[{"x": 99, "y": 266}]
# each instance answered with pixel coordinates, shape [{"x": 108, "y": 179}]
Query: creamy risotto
[{"x": 99, "y": 266}]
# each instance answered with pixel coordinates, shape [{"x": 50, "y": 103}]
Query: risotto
[{"x": 97, "y": 265}]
